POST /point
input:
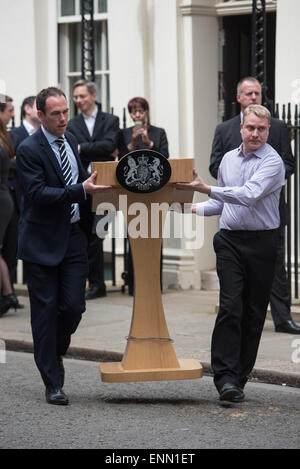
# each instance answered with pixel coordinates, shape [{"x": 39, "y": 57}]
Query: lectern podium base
[
  {"x": 113, "y": 372},
  {"x": 149, "y": 354}
]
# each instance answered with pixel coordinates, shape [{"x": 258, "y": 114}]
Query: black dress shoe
[
  {"x": 230, "y": 392},
  {"x": 240, "y": 397},
  {"x": 288, "y": 326},
  {"x": 94, "y": 292},
  {"x": 56, "y": 396}
]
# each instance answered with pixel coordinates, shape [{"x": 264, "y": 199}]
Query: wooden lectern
[{"x": 149, "y": 353}]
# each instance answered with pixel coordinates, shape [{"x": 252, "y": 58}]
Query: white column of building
[
  {"x": 127, "y": 52},
  {"x": 128, "y": 55},
  {"x": 287, "y": 52},
  {"x": 199, "y": 100},
  {"x": 167, "y": 52},
  {"x": 179, "y": 269},
  {"x": 46, "y": 43},
  {"x": 17, "y": 51}
]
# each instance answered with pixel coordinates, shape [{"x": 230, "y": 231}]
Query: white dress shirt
[
  {"x": 29, "y": 127},
  {"x": 90, "y": 120},
  {"x": 90, "y": 123},
  {"x": 248, "y": 191},
  {"x": 72, "y": 160}
]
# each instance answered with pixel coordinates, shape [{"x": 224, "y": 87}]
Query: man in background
[
  {"x": 97, "y": 134},
  {"x": 29, "y": 120},
  {"x": 227, "y": 137}
]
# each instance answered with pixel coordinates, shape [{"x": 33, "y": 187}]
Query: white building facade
[{"x": 168, "y": 51}]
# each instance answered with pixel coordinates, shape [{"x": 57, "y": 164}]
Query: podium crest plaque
[{"x": 143, "y": 171}]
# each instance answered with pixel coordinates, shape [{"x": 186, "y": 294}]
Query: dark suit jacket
[
  {"x": 104, "y": 140},
  {"x": 156, "y": 135},
  {"x": 19, "y": 133},
  {"x": 45, "y": 213},
  {"x": 227, "y": 137}
]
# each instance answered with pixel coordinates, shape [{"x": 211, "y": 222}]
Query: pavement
[{"x": 190, "y": 317}]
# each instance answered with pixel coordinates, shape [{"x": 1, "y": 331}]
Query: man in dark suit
[
  {"x": 97, "y": 134},
  {"x": 227, "y": 137},
  {"x": 55, "y": 213},
  {"x": 29, "y": 120}
]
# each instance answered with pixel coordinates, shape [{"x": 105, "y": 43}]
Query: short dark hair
[
  {"x": 239, "y": 85},
  {"x": 27, "y": 101},
  {"x": 46, "y": 93},
  {"x": 137, "y": 101},
  {"x": 90, "y": 85},
  {"x": 7, "y": 99}
]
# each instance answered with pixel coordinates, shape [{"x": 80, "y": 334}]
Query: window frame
[
  {"x": 65, "y": 75},
  {"x": 73, "y": 18}
]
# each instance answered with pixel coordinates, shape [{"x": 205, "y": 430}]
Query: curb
[{"x": 80, "y": 353}]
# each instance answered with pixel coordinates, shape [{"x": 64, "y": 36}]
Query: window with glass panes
[{"x": 69, "y": 23}]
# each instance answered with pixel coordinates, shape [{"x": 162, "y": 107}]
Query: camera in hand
[{"x": 138, "y": 125}]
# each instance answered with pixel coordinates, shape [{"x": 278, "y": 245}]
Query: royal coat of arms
[{"x": 143, "y": 171}]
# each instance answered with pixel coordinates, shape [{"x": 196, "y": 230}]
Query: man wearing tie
[
  {"x": 55, "y": 219},
  {"x": 97, "y": 134}
]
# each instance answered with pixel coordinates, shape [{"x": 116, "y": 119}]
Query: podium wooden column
[{"x": 149, "y": 353}]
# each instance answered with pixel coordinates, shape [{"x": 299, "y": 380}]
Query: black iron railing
[
  {"x": 291, "y": 116},
  {"x": 88, "y": 40}
]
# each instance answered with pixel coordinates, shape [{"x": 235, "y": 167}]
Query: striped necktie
[{"x": 65, "y": 167}]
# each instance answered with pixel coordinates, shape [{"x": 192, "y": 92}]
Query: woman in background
[
  {"x": 7, "y": 298},
  {"x": 142, "y": 135}
]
